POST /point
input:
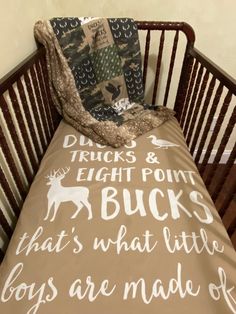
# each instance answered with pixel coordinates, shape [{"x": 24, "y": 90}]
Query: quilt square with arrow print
[{"x": 106, "y": 63}]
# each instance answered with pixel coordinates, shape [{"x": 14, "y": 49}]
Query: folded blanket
[{"x": 96, "y": 77}]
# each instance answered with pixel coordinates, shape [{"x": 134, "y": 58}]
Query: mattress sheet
[{"x": 109, "y": 231}]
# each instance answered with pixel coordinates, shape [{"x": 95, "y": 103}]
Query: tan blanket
[
  {"x": 96, "y": 77},
  {"x": 110, "y": 231}
]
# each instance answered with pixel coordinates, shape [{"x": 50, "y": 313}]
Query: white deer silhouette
[{"x": 58, "y": 194}]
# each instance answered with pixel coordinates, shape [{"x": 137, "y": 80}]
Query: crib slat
[
  {"x": 228, "y": 198},
  {"x": 171, "y": 66},
  {"x": 232, "y": 226},
  {"x": 35, "y": 110},
  {"x": 202, "y": 115},
  {"x": 22, "y": 129},
  {"x": 197, "y": 107},
  {"x": 44, "y": 96},
  {"x": 11, "y": 164},
  {"x": 208, "y": 124},
  {"x": 15, "y": 139},
  {"x": 40, "y": 103},
  {"x": 180, "y": 101},
  {"x": 216, "y": 71},
  {"x": 8, "y": 193},
  {"x": 224, "y": 174},
  {"x": 146, "y": 56},
  {"x": 1, "y": 255},
  {"x": 5, "y": 225},
  {"x": 207, "y": 128},
  {"x": 216, "y": 129},
  {"x": 193, "y": 100},
  {"x": 158, "y": 66},
  {"x": 29, "y": 118},
  {"x": 222, "y": 145},
  {"x": 53, "y": 112},
  {"x": 189, "y": 93},
  {"x": 219, "y": 122}
]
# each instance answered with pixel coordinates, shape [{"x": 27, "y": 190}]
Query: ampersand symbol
[{"x": 152, "y": 158}]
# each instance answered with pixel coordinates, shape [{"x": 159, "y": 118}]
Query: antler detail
[{"x": 57, "y": 173}]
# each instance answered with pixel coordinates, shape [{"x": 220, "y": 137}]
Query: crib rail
[
  {"x": 28, "y": 121},
  {"x": 208, "y": 97},
  {"x": 163, "y": 51},
  {"x": 28, "y": 118}
]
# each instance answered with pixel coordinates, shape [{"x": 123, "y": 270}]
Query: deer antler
[
  {"x": 57, "y": 173},
  {"x": 52, "y": 175},
  {"x": 65, "y": 171},
  {"x": 49, "y": 175},
  {"x": 61, "y": 172}
]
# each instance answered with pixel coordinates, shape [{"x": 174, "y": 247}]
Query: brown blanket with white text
[{"x": 109, "y": 231}]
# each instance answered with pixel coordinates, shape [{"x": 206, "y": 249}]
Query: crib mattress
[{"x": 110, "y": 231}]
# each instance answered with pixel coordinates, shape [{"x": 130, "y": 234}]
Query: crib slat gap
[
  {"x": 232, "y": 227},
  {"x": 5, "y": 225},
  {"x": 192, "y": 106},
  {"x": 44, "y": 96},
  {"x": 208, "y": 122},
  {"x": 158, "y": 66},
  {"x": 189, "y": 93},
  {"x": 171, "y": 66},
  {"x": 207, "y": 128},
  {"x": 146, "y": 56},
  {"x": 180, "y": 101},
  {"x": 22, "y": 129},
  {"x": 228, "y": 198},
  {"x": 11, "y": 164},
  {"x": 202, "y": 116},
  {"x": 224, "y": 175},
  {"x": 198, "y": 105},
  {"x": 1, "y": 255},
  {"x": 15, "y": 139},
  {"x": 9, "y": 194},
  {"x": 35, "y": 110},
  {"x": 40, "y": 103},
  {"x": 28, "y": 118},
  {"x": 55, "y": 117},
  {"x": 226, "y": 136},
  {"x": 192, "y": 97},
  {"x": 215, "y": 133}
]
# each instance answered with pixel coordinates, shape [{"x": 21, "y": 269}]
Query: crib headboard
[{"x": 26, "y": 131}]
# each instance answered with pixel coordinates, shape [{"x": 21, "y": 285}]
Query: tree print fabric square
[{"x": 106, "y": 63}]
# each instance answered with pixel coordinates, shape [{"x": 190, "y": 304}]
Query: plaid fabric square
[{"x": 106, "y": 63}]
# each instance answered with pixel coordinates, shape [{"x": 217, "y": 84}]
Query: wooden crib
[{"x": 202, "y": 90}]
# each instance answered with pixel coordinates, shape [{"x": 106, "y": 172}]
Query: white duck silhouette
[{"x": 159, "y": 143}]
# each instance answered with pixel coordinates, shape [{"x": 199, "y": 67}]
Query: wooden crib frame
[{"x": 201, "y": 87}]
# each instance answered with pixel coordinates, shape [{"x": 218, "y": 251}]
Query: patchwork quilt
[
  {"x": 127, "y": 230},
  {"x": 96, "y": 77}
]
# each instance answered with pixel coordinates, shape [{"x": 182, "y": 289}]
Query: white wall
[{"x": 213, "y": 21}]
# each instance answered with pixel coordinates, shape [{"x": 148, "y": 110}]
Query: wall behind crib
[{"x": 213, "y": 21}]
